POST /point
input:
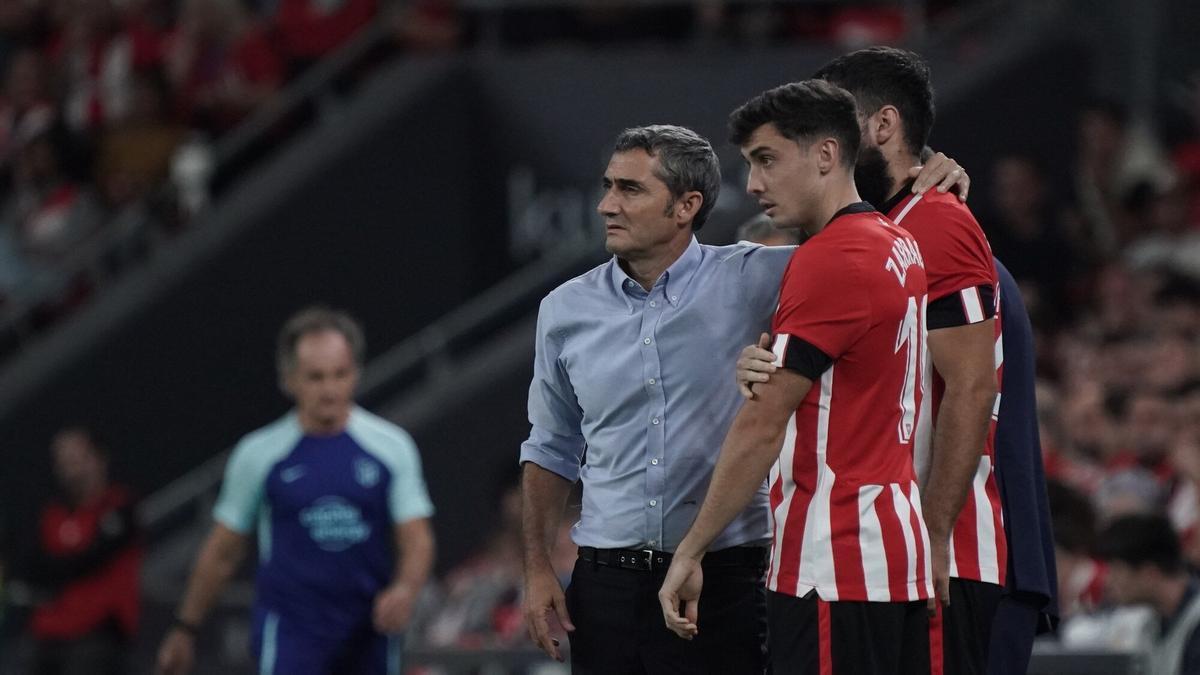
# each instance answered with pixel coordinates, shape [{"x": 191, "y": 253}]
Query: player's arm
[
  {"x": 750, "y": 448},
  {"x": 220, "y": 556},
  {"x": 414, "y": 559},
  {"x": 219, "y": 559},
  {"x": 964, "y": 355}
]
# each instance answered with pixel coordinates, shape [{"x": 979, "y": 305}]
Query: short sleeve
[
  {"x": 556, "y": 437},
  {"x": 822, "y": 302},
  {"x": 242, "y": 490},
  {"x": 762, "y": 270},
  {"x": 956, "y": 252},
  {"x": 408, "y": 498}
]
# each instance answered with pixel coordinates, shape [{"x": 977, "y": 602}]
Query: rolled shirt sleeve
[{"x": 556, "y": 438}]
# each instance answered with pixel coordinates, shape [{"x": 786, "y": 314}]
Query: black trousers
[
  {"x": 619, "y": 628},
  {"x": 965, "y": 627},
  {"x": 811, "y": 636}
]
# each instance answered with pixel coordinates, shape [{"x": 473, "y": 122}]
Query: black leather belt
[{"x": 649, "y": 560}]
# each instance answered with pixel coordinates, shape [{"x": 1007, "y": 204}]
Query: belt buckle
[{"x": 649, "y": 559}]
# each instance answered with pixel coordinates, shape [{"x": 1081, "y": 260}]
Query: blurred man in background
[
  {"x": 85, "y": 567},
  {"x": 342, "y": 514},
  {"x": 1145, "y": 566},
  {"x": 760, "y": 230}
]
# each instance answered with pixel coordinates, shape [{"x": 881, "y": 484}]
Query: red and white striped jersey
[
  {"x": 846, "y": 508},
  {"x": 958, "y": 263}
]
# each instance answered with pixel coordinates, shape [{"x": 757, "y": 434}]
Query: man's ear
[
  {"x": 829, "y": 153},
  {"x": 687, "y": 206},
  {"x": 885, "y": 125}
]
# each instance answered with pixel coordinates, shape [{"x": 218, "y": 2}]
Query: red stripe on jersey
[
  {"x": 847, "y": 546},
  {"x": 824, "y": 638},
  {"x": 894, "y": 546},
  {"x": 936, "y": 657}
]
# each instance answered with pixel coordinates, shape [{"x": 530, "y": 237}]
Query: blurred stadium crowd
[
  {"x": 100, "y": 99},
  {"x": 110, "y": 109}
]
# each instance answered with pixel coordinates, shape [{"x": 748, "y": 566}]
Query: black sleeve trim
[
  {"x": 805, "y": 358},
  {"x": 952, "y": 311}
]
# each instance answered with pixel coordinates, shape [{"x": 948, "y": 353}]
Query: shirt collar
[
  {"x": 905, "y": 191},
  {"x": 675, "y": 279}
]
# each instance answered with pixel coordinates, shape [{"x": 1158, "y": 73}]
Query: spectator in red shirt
[
  {"x": 96, "y": 52},
  {"x": 87, "y": 563},
  {"x": 220, "y": 63},
  {"x": 310, "y": 29}
]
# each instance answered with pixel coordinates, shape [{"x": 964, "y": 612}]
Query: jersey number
[{"x": 911, "y": 337}]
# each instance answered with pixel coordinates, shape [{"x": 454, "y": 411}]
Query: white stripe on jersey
[
  {"x": 999, "y": 356},
  {"x": 780, "y": 350},
  {"x": 907, "y": 208},
  {"x": 972, "y": 305},
  {"x": 985, "y": 524},
  {"x": 870, "y": 541},
  {"x": 904, "y": 513},
  {"x": 816, "y": 562},
  {"x": 782, "y": 471}
]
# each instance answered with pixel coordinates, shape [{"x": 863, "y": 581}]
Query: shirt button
[
  {"x": 651, "y": 380},
  {"x": 653, "y": 502},
  {"x": 654, "y": 421},
  {"x": 654, "y": 462},
  {"x": 646, "y": 341},
  {"x": 653, "y": 303},
  {"x": 674, "y": 298},
  {"x": 653, "y": 542}
]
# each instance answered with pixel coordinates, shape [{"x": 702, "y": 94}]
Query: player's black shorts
[
  {"x": 964, "y": 629},
  {"x": 811, "y": 636}
]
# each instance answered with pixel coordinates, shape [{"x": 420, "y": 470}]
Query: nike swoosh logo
[{"x": 292, "y": 474}]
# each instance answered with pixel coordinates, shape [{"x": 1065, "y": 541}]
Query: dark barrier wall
[{"x": 424, "y": 204}]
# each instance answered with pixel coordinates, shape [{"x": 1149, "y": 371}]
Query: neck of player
[
  {"x": 315, "y": 424},
  {"x": 838, "y": 197},
  {"x": 648, "y": 267},
  {"x": 899, "y": 162}
]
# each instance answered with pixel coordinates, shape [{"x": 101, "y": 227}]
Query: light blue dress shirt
[{"x": 633, "y": 392}]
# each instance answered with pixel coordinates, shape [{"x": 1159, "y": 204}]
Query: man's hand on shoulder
[{"x": 943, "y": 172}]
